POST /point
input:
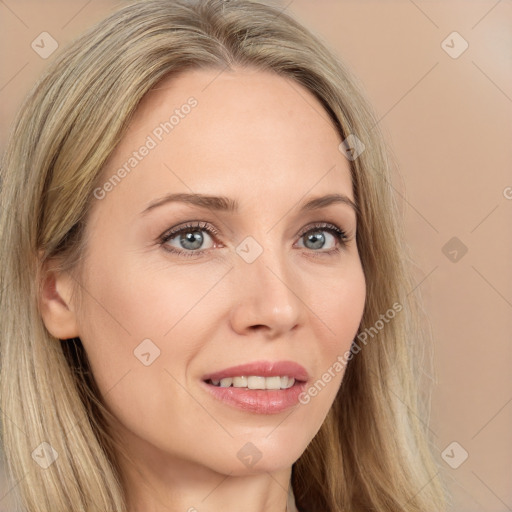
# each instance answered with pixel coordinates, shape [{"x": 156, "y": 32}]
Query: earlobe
[{"x": 55, "y": 305}]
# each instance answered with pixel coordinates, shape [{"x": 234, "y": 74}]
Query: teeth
[
  {"x": 255, "y": 382},
  {"x": 269, "y": 382},
  {"x": 239, "y": 382}
]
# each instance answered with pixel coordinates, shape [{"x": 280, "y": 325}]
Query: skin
[{"x": 266, "y": 142}]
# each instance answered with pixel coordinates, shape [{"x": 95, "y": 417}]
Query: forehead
[{"x": 214, "y": 132}]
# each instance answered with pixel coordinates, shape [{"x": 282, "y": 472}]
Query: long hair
[{"x": 373, "y": 450}]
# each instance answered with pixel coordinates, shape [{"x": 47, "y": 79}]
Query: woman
[{"x": 204, "y": 302}]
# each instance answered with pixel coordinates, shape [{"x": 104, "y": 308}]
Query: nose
[{"x": 267, "y": 296}]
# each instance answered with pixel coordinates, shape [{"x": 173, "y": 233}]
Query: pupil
[{"x": 318, "y": 240}]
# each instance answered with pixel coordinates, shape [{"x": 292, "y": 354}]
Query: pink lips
[{"x": 260, "y": 401}]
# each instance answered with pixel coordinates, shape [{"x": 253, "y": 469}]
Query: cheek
[
  {"x": 128, "y": 303},
  {"x": 338, "y": 311},
  {"x": 136, "y": 344},
  {"x": 340, "y": 305}
]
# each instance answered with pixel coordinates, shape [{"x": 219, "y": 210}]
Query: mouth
[
  {"x": 259, "y": 375},
  {"x": 262, "y": 387}
]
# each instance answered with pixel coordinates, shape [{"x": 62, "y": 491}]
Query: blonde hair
[{"x": 372, "y": 451}]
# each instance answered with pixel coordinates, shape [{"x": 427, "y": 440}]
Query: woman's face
[{"x": 268, "y": 281}]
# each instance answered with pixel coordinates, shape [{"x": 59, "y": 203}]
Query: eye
[
  {"x": 189, "y": 237},
  {"x": 315, "y": 238}
]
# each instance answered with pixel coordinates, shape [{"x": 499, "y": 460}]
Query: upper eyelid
[{"x": 199, "y": 225}]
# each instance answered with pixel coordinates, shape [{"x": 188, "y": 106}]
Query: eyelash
[{"x": 339, "y": 234}]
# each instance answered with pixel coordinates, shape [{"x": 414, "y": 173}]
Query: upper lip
[{"x": 263, "y": 369}]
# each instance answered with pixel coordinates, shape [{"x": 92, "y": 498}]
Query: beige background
[{"x": 448, "y": 121}]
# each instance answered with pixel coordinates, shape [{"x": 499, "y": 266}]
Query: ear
[{"x": 55, "y": 303}]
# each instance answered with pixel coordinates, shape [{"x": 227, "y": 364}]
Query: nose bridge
[{"x": 267, "y": 294}]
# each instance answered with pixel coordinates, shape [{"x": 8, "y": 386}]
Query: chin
[{"x": 254, "y": 455}]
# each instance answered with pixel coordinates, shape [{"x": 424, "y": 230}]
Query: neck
[{"x": 184, "y": 486}]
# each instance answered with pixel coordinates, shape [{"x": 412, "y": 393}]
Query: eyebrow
[{"x": 226, "y": 204}]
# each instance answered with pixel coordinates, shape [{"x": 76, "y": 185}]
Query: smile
[{"x": 254, "y": 382}]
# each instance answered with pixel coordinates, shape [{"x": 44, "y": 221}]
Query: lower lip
[{"x": 260, "y": 401}]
